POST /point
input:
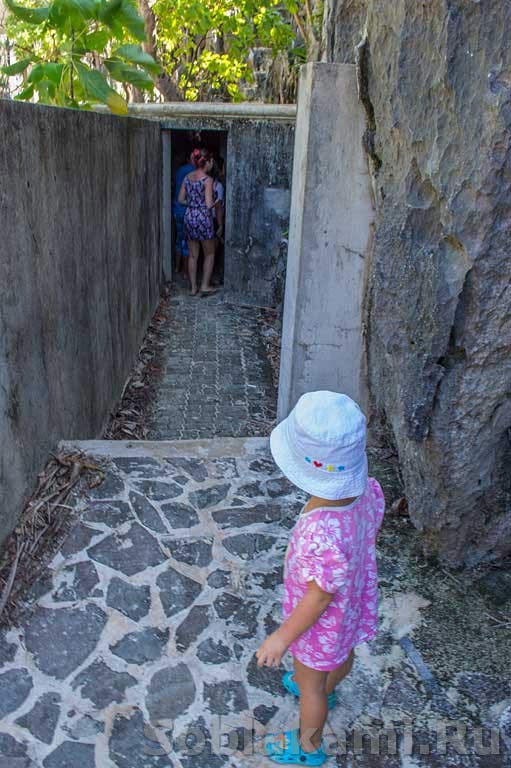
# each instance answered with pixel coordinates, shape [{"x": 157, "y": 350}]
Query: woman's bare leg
[
  {"x": 313, "y": 705},
  {"x": 336, "y": 675},
  {"x": 209, "y": 262},
  {"x": 193, "y": 258}
]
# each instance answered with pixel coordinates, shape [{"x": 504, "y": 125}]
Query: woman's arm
[
  {"x": 312, "y": 605},
  {"x": 208, "y": 191},
  {"x": 182, "y": 194}
]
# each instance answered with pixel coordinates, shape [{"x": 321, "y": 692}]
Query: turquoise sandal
[
  {"x": 285, "y": 749},
  {"x": 291, "y": 686}
]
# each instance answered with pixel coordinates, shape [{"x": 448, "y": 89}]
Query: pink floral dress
[{"x": 335, "y": 547}]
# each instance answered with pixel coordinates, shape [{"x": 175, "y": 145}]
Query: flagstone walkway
[
  {"x": 216, "y": 378},
  {"x": 137, "y": 646}
]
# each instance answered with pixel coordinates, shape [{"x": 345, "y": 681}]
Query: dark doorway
[{"x": 183, "y": 142}]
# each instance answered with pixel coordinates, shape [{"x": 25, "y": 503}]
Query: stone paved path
[
  {"x": 217, "y": 379},
  {"x": 138, "y": 648}
]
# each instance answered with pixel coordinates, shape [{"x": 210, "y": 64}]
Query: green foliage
[
  {"x": 69, "y": 52},
  {"x": 205, "y": 44},
  {"x": 81, "y": 52},
  {"x": 136, "y": 55}
]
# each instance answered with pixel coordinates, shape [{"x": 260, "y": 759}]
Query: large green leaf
[
  {"x": 53, "y": 72},
  {"x": 96, "y": 41},
  {"x": 30, "y": 15},
  {"x": 131, "y": 20},
  {"x": 46, "y": 91},
  {"x": 97, "y": 88},
  {"x": 36, "y": 74},
  {"x": 108, "y": 10},
  {"x": 17, "y": 68},
  {"x": 25, "y": 94},
  {"x": 50, "y": 71},
  {"x": 125, "y": 74},
  {"x": 135, "y": 54},
  {"x": 71, "y": 15},
  {"x": 86, "y": 7},
  {"x": 64, "y": 16}
]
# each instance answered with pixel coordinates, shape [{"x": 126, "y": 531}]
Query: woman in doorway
[{"x": 197, "y": 193}]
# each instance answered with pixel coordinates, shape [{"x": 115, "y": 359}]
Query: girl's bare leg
[
  {"x": 193, "y": 258},
  {"x": 336, "y": 675},
  {"x": 313, "y": 705},
  {"x": 209, "y": 262}
]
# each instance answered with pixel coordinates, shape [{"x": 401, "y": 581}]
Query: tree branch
[
  {"x": 192, "y": 62},
  {"x": 310, "y": 20},
  {"x": 300, "y": 26}
]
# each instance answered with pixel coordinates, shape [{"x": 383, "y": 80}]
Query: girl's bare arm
[
  {"x": 307, "y": 612},
  {"x": 182, "y": 194}
]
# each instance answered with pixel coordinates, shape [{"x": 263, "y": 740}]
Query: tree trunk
[
  {"x": 135, "y": 95},
  {"x": 164, "y": 84}
]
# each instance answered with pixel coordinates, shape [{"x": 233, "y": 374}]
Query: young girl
[{"x": 330, "y": 584}]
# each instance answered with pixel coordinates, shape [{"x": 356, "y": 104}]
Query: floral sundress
[
  {"x": 335, "y": 547},
  {"x": 198, "y": 221}
]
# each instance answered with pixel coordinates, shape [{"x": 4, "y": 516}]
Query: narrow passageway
[
  {"x": 216, "y": 379},
  {"x": 135, "y": 646}
]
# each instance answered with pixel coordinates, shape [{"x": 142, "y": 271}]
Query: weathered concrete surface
[
  {"x": 439, "y": 330},
  {"x": 80, "y": 275},
  {"x": 215, "y": 377},
  {"x": 157, "y": 668},
  {"x": 260, "y": 162},
  {"x": 330, "y": 229}
]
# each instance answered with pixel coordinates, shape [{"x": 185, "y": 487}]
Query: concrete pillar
[{"x": 329, "y": 236}]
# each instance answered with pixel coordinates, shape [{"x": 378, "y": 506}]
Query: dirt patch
[
  {"x": 271, "y": 332},
  {"x": 130, "y": 418},
  {"x": 462, "y": 628}
]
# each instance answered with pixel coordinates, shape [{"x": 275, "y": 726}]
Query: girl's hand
[{"x": 270, "y": 653}]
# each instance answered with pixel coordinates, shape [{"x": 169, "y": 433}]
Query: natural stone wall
[
  {"x": 80, "y": 275},
  {"x": 439, "y": 77}
]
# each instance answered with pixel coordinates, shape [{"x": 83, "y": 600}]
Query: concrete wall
[
  {"x": 260, "y": 163},
  {"x": 330, "y": 231},
  {"x": 80, "y": 275}
]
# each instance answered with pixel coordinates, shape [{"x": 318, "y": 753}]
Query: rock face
[{"x": 439, "y": 80}]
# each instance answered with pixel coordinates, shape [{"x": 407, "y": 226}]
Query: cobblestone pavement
[
  {"x": 137, "y": 646},
  {"x": 216, "y": 379}
]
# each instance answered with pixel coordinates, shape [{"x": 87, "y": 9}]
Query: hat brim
[{"x": 339, "y": 485}]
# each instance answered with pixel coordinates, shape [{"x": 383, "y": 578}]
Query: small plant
[{"x": 71, "y": 53}]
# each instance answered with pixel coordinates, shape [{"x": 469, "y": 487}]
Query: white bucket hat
[{"x": 321, "y": 445}]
